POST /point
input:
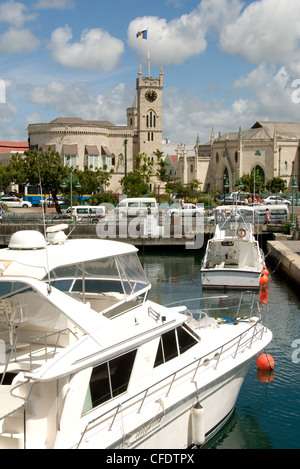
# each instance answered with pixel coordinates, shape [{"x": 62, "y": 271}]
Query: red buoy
[
  {"x": 265, "y": 376},
  {"x": 263, "y": 279},
  {"x": 265, "y": 362},
  {"x": 265, "y": 271},
  {"x": 263, "y": 294}
]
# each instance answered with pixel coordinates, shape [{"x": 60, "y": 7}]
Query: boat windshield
[{"x": 119, "y": 274}]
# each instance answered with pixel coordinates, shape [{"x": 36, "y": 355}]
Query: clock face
[{"x": 151, "y": 95}]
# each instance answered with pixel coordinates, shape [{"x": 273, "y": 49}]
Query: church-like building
[
  {"x": 101, "y": 144},
  {"x": 271, "y": 148}
]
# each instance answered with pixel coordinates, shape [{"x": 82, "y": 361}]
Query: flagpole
[{"x": 148, "y": 53}]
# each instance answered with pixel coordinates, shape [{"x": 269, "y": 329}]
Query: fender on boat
[{"x": 198, "y": 433}]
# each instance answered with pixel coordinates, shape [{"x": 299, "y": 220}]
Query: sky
[{"x": 226, "y": 63}]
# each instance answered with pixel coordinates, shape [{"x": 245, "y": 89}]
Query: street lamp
[
  {"x": 77, "y": 186},
  {"x": 294, "y": 187},
  {"x": 225, "y": 186}
]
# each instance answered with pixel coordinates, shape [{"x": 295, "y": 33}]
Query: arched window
[
  {"x": 259, "y": 174},
  {"x": 151, "y": 119}
]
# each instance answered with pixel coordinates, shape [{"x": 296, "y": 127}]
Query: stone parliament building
[{"x": 272, "y": 148}]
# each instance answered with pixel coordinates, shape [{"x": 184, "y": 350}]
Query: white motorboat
[
  {"x": 233, "y": 258},
  {"x": 88, "y": 361}
]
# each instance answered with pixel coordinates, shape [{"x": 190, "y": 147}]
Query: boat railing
[
  {"x": 231, "y": 303},
  {"x": 44, "y": 339},
  {"x": 47, "y": 348},
  {"x": 245, "y": 340}
]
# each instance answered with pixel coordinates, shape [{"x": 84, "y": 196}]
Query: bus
[{"x": 33, "y": 194}]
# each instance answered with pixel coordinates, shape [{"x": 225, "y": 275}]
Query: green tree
[
  {"x": 276, "y": 185},
  {"x": 5, "y": 179},
  {"x": 38, "y": 167},
  {"x": 249, "y": 183},
  {"x": 162, "y": 171},
  {"x": 46, "y": 168},
  {"x": 134, "y": 185}
]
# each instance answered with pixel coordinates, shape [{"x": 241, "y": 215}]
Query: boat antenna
[{"x": 44, "y": 224}]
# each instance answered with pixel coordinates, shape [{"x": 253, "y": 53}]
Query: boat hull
[
  {"x": 230, "y": 278},
  {"x": 217, "y": 400}
]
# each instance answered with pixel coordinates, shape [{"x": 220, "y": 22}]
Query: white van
[
  {"x": 133, "y": 207},
  {"x": 88, "y": 213}
]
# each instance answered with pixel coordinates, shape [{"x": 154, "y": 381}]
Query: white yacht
[
  {"x": 88, "y": 361},
  {"x": 233, "y": 258}
]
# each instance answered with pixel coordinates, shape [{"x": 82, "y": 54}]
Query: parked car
[
  {"x": 187, "y": 210},
  {"x": 49, "y": 201},
  {"x": 276, "y": 199},
  {"x": 87, "y": 213},
  {"x": 15, "y": 202},
  {"x": 133, "y": 207},
  {"x": 229, "y": 201}
]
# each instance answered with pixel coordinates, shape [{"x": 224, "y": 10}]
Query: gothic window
[
  {"x": 217, "y": 157},
  {"x": 151, "y": 119},
  {"x": 192, "y": 168},
  {"x": 285, "y": 165},
  {"x": 236, "y": 156}
]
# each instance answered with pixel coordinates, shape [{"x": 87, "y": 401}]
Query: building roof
[
  {"x": 283, "y": 129},
  {"x": 79, "y": 121},
  {"x": 13, "y": 146},
  {"x": 265, "y": 130}
]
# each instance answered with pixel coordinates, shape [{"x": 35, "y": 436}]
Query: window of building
[
  {"x": 285, "y": 165},
  {"x": 70, "y": 161},
  {"x": 106, "y": 163},
  {"x": 108, "y": 380},
  {"x": 173, "y": 343},
  {"x": 92, "y": 162},
  {"x": 151, "y": 119},
  {"x": 192, "y": 168}
]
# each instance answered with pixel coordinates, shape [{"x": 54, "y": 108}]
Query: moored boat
[
  {"x": 233, "y": 258},
  {"x": 89, "y": 361}
]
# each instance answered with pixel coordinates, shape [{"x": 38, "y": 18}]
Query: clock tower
[{"x": 149, "y": 113}]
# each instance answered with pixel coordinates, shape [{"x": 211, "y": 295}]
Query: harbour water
[{"x": 267, "y": 414}]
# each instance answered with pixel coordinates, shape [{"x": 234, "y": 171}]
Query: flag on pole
[{"x": 142, "y": 34}]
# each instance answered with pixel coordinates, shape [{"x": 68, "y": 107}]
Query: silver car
[
  {"x": 276, "y": 200},
  {"x": 16, "y": 202}
]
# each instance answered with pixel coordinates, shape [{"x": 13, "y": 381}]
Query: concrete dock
[{"x": 284, "y": 252}]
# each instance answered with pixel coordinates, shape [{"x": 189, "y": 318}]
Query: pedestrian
[{"x": 267, "y": 216}]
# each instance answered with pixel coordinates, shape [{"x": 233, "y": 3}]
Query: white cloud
[
  {"x": 256, "y": 78},
  {"x": 267, "y": 31},
  {"x": 75, "y": 100},
  {"x": 8, "y": 112},
  {"x": 169, "y": 43},
  {"x": 96, "y": 50},
  {"x": 17, "y": 41},
  {"x": 55, "y": 4},
  {"x": 173, "y": 42},
  {"x": 15, "y": 13}
]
